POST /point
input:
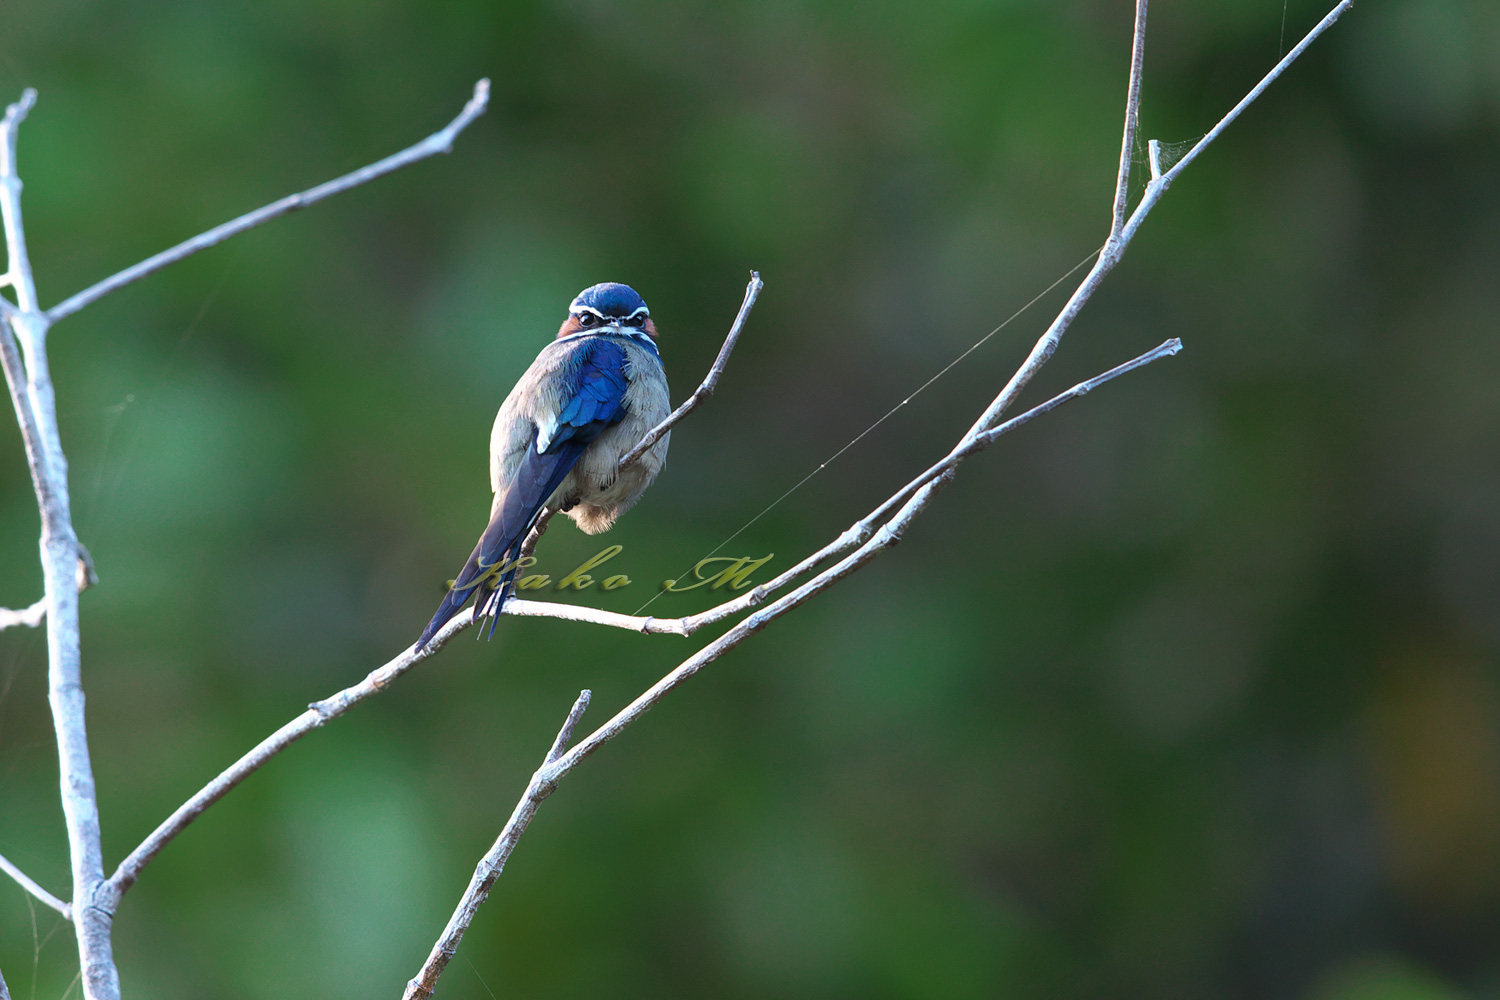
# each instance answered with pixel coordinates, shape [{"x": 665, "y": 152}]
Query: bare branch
[
  {"x": 321, "y": 712},
  {"x": 29, "y": 617},
  {"x": 317, "y": 714},
  {"x": 881, "y": 539},
  {"x": 528, "y": 546},
  {"x": 439, "y": 142},
  {"x": 866, "y": 540},
  {"x": 33, "y": 396},
  {"x": 1132, "y": 119},
  {"x": 64, "y": 559},
  {"x": 1114, "y": 248},
  {"x": 557, "y": 765},
  {"x": 18, "y": 264},
  {"x": 565, "y": 734},
  {"x": 31, "y": 434},
  {"x": 856, "y": 535},
  {"x": 493, "y": 863},
  {"x": 752, "y": 292},
  {"x": 25, "y": 882},
  {"x": 36, "y": 411},
  {"x": 575, "y": 613},
  {"x": 1153, "y": 155},
  {"x": 1245, "y": 102},
  {"x": 32, "y": 616}
]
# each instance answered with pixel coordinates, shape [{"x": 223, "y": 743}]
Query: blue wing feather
[{"x": 592, "y": 398}]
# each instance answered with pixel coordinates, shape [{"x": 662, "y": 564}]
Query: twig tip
[{"x": 17, "y": 111}]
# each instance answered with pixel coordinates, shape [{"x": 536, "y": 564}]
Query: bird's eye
[{"x": 586, "y": 319}]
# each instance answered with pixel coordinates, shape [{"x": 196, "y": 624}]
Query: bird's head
[{"x": 608, "y": 308}]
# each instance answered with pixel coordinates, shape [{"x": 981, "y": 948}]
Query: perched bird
[{"x": 586, "y": 400}]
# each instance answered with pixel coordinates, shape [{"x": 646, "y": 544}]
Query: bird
[{"x": 589, "y": 397}]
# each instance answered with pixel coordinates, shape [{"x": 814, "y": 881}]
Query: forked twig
[
  {"x": 31, "y": 392},
  {"x": 493, "y": 863},
  {"x": 65, "y": 563},
  {"x": 35, "y": 403},
  {"x": 857, "y": 534},
  {"x": 910, "y": 501},
  {"x": 440, "y": 141},
  {"x": 320, "y": 712}
]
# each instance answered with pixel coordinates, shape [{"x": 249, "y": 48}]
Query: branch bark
[
  {"x": 857, "y": 534},
  {"x": 544, "y": 782},
  {"x": 440, "y": 141},
  {"x": 25, "y": 882},
  {"x": 317, "y": 714},
  {"x": 36, "y": 410},
  {"x": 335, "y": 705},
  {"x": 320, "y": 712},
  {"x": 30, "y": 616},
  {"x": 23, "y": 351},
  {"x": 23, "y": 329},
  {"x": 493, "y": 863},
  {"x": 710, "y": 381},
  {"x": 912, "y": 500}
]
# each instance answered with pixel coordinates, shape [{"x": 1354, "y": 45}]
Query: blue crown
[{"x": 610, "y": 299}]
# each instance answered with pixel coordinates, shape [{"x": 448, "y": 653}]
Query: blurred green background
[{"x": 1188, "y": 690}]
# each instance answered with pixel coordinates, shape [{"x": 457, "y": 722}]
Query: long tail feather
[{"x": 515, "y": 512}]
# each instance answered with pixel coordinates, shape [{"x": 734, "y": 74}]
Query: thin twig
[
  {"x": 1114, "y": 247},
  {"x": 33, "y": 616},
  {"x": 36, "y": 410},
  {"x": 31, "y": 433},
  {"x": 1109, "y": 254},
  {"x": 129, "y": 870},
  {"x": 317, "y": 714},
  {"x": 912, "y": 499},
  {"x": 25, "y": 882},
  {"x": 886, "y": 536},
  {"x": 856, "y": 535},
  {"x": 440, "y": 141},
  {"x": 493, "y": 863},
  {"x": 556, "y": 767},
  {"x": 1132, "y": 118},
  {"x": 17, "y": 263},
  {"x": 29, "y": 617},
  {"x": 64, "y": 558},
  {"x": 1250, "y": 98},
  {"x": 752, "y": 292},
  {"x": 594, "y": 616},
  {"x": 323, "y": 711}
]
